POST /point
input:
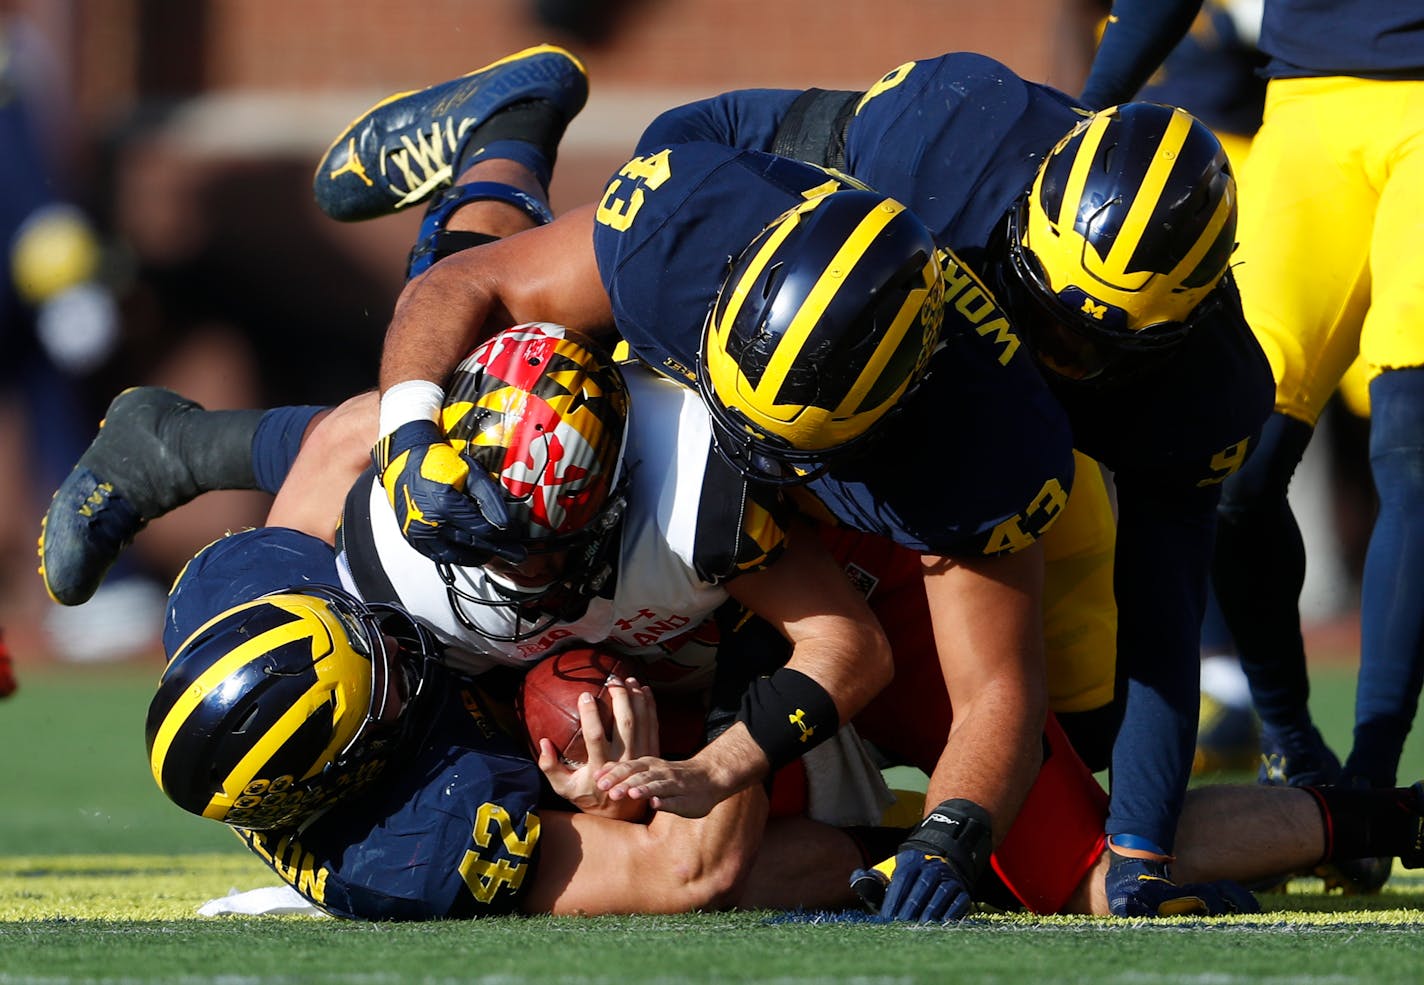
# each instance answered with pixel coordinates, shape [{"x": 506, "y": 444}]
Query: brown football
[{"x": 548, "y": 698}]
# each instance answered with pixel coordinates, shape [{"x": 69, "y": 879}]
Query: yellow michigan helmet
[
  {"x": 1129, "y": 225},
  {"x": 822, "y": 326},
  {"x": 277, "y": 708}
]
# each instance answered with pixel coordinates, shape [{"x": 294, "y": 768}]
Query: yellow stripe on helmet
[
  {"x": 211, "y": 679},
  {"x": 1129, "y": 237},
  {"x": 272, "y": 740},
  {"x": 781, "y": 229},
  {"x": 1095, "y": 127},
  {"x": 819, "y": 299}
]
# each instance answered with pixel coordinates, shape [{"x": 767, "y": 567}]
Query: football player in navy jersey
[
  {"x": 800, "y": 404},
  {"x": 666, "y": 228},
  {"x": 379, "y": 785},
  {"x": 1330, "y": 272},
  {"x": 347, "y": 860},
  {"x": 1105, "y": 237},
  {"x": 855, "y": 282}
]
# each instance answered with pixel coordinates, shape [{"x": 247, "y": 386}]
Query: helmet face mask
[
  {"x": 1127, "y": 229},
  {"x": 282, "y": 706},
  {"x": 544, "y": 410},
  {"x": 822, "y": 326}
]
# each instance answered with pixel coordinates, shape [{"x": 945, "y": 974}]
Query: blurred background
[
  {"x": 157, "y": 157},
  {"x": 161, "y": 151}
]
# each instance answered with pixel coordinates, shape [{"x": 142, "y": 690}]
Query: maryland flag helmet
[
  {"x": 823, "y": 324},
  {"x": 1127, "y": 228},
  {"x": 277, "y": 708},
  {"x": 545, "y": 411}
]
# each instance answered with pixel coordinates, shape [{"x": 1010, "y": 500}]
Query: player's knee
[
  {"x": 1262, "y": 481},
  {"x": 1397, "y": 435}
]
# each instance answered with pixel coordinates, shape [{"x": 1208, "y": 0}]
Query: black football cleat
[
  {"x": 1413, "y": 857},
  {"x": 403, "y": 149},
  {"x": 1297, "y": 761},
  {"x": 128, "y": 475}
]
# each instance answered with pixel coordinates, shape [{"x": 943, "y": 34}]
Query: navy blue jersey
[
  {"x": 959, "y": 140},
  {"x": 449, "y": 831},
  {"x": 238, "y": 568},
  {"x": 978, "y": 462},
  {"x": 1372, "y": 39}
]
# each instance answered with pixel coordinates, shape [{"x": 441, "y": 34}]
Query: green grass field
[{"x": 100, "y": 880}]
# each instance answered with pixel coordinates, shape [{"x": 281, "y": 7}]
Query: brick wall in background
[
  {"x": 313, "y": 44},
  {"x": 197, "y": 124}
]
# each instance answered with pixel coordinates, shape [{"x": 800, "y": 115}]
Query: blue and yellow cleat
[
  {"x": 126, "y": 476},
  {"x": 403, "y": 149}
]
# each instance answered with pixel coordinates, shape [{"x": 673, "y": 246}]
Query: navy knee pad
[{"x": 1269, "y": 467}]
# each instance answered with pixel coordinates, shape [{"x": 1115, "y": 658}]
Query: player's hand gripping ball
[{"x": 548, "y": 698}]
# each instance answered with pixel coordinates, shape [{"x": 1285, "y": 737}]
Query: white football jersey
[{"x": 690, "y": 523}]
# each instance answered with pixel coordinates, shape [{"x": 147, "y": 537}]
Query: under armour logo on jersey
[{"x": 1093, "y": 309}]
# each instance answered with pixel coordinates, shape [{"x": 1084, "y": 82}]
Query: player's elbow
[
  {"x": 698, "y": 873},
  {"x": 714, "y": 882}
]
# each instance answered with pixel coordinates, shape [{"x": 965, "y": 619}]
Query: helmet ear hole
[{"x": 245, "y": 722}]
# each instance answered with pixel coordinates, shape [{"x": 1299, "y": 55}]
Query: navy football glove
[
  {"x": 932, "y": 877},
  {"x": 448, "y": 507},
  {"x": 1139, "y": 884}
]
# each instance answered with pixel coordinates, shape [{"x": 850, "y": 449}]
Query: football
[{"x": 548, "y": 698}]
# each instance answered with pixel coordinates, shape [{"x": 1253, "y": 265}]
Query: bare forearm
[
  {"x": 987, "y": 618},
  {"x": 991, "y": 758},
  {"x": 438, "y": 319},
  {"x": 706, "y": 860},
  {"x": 853, "y": 666},
  {"x": 594, "y": 865}
]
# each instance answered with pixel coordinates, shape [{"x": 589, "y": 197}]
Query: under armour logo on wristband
[{"x": 799, "y": 720}]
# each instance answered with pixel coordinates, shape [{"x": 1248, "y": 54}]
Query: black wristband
[
  {"x": 960, "y": 831},
  {"x": 787, "y": 714}
]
